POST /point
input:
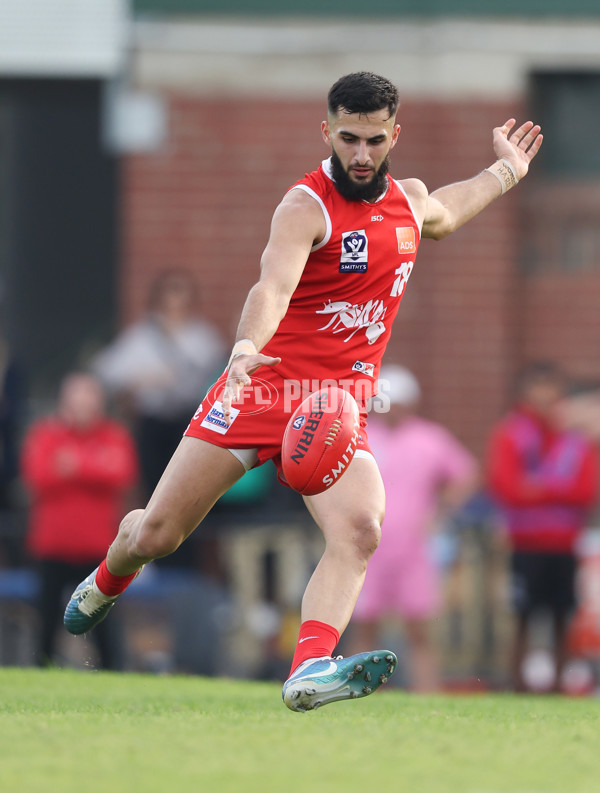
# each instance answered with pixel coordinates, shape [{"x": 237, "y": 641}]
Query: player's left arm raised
[{"x": 448, "y": 208}]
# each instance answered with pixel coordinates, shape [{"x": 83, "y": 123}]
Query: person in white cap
[{"x": 426, "y": 471}]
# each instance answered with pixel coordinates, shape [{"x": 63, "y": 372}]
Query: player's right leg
[{"x": 196, "y": 477}]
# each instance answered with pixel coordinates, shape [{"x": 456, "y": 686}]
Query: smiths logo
[
  {"x": 355, "y": 250},
  {"x": 406, "y": 240}
]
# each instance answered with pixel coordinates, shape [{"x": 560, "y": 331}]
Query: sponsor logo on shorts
[
  {"x": 365, "y": 368},
  {"x": 355, "y": 252},
  {"x": 406, "y": 240},
  {"x": 215, "y": 420}
]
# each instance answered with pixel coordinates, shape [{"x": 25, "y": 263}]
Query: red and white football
[{"x": 320, "y": 440}]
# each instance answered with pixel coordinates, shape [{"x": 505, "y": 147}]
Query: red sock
[
  {"x": 315, "y": 640},
  {"x": 110, "y": 584}
]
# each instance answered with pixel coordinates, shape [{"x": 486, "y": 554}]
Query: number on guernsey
[{"x": 403, "y": 272}]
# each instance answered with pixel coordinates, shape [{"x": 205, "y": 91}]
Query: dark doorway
[{"x": 58, "y": 224}]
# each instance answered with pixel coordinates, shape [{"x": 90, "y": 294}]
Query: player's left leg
[{"x": 350, "y": 516}]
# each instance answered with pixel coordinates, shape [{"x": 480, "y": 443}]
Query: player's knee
[
  {"x": 155, "y": 538},
  {"x": 367, "y": 533}
]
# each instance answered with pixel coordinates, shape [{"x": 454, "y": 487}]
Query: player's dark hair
[{"x": 363, "y": 92}]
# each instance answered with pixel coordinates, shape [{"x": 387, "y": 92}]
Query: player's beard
[{"x": 359, "y": 191}]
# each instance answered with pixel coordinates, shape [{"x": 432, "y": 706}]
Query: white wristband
[
  {"x": 242, "y": 347},
  {"x": 504, "y": 173}
]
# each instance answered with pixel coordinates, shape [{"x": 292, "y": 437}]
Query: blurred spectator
[
  {"x": 77, "y": 465},
  {"x": 545, "y": 479},
  {"x": 427, "y": 473},
  {"x": 580, "y": 411},
  {"x": 161, "y": 367}
]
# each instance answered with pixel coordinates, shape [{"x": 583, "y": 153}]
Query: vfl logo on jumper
[
  {"x": 365, "y": 368},
  {"x": 355, "y": 252},
  {"x": 348, "y": 318},
  {"x": 406, "y": 240},
  {"x": 215, "y": 420}
]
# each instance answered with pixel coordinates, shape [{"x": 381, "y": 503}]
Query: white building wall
[
  {"x": 477, "y": 58},
  {"x": 62, "y": 38}
]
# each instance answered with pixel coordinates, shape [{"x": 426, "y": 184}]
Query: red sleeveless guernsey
[
  {"x": 338, "y": 322},
  {"x": 340, "y": 316}
]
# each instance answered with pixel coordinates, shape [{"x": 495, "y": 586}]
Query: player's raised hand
[
  {"x": 238, "y": 377},
  {"x": 519, "y": 146}
]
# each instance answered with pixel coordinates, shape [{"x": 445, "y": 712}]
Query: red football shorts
[{"x": 258, "y": 421}]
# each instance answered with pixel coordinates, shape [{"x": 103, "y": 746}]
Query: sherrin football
[{"x": 320, "y": 440}]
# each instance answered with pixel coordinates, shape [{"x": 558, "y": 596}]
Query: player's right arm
[{"x": 298, "y": 223}]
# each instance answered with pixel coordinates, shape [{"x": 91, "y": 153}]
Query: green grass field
[{"x": 86, "y": 732}]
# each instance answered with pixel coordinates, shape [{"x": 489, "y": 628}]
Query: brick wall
[
  {"x": 456, "y": 328},
  {"x": 561, "y": 277},
  {"x": 206, "y": 200}
]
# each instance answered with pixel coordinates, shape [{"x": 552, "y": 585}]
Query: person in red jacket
[
  {"x": 77, "y": 466},
  {"x": 544, "y": 477}
]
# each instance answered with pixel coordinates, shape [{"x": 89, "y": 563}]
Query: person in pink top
[{"x": 426, "y": 472}]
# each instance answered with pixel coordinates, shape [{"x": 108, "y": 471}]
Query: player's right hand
[{"x": 238, "y": 377}]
